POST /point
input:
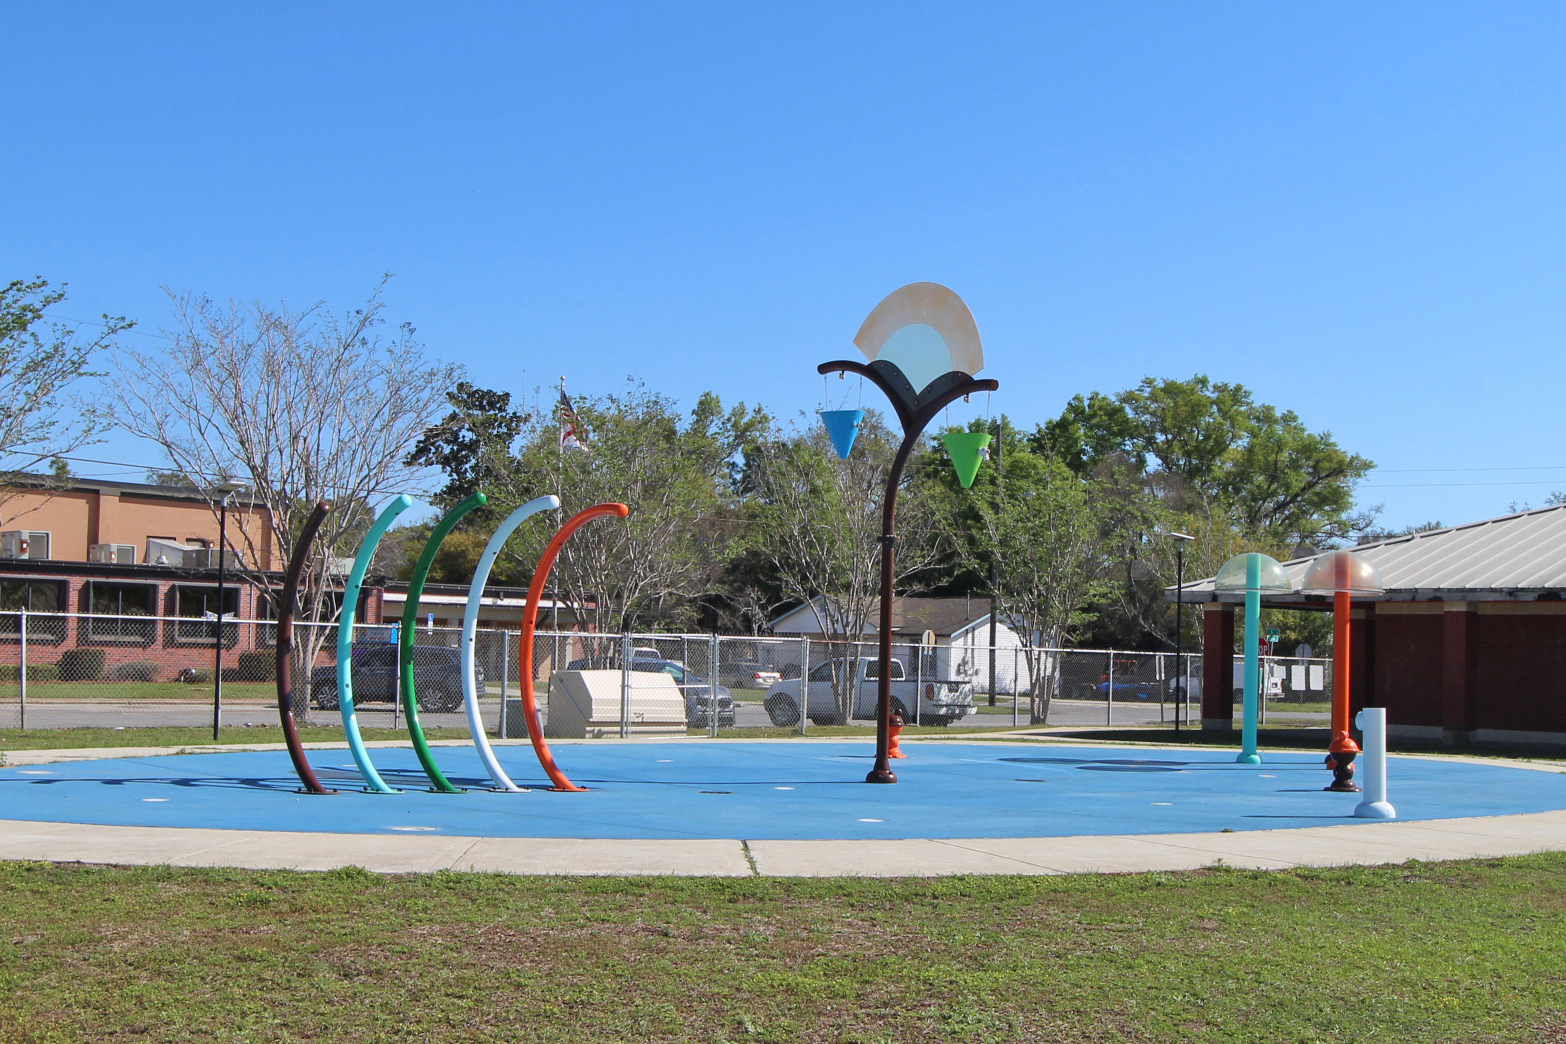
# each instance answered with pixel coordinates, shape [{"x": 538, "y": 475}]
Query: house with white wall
[{"x": 946, "y": 638}]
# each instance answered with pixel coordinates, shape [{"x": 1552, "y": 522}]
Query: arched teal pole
[
  {"x": 1253, "y": 564},
  {"x": 470, "y": 634},
  {"x": 410, "y": 624},
  {"x": 361, "y": 563}
]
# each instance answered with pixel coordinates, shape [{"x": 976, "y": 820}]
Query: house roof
[
  {"x": 1514, "y": 557},
  {"x": 910, "y": 615},
  {"x": 74, "y": 484}
]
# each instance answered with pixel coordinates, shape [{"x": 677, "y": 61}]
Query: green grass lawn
[
  {"x": 197, "y": 692},
  {"x": 1468, "y": 952}
]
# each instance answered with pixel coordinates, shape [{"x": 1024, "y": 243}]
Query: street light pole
[{"x": 228, "y": 489}]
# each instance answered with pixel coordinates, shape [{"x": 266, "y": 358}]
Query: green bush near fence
[
  {"x": 256, "y": 666},
  {"x": 81, "y": 665},
  {"x": 137, "y": 671},
  {"x": 35, "y": 672}
]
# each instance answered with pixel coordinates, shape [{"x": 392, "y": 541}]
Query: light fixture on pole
[
  {"x": 922, "y": 347},
  {"x": 225, "y": 490},
  {"x": 1182, "y": 680}
]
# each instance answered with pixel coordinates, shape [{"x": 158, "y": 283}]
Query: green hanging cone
[{"x": 967, "y": 450}]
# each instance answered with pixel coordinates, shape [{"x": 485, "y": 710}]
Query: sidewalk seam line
[
  {"x": 997, "y": 855},
  {"x": 463, "y": 854}
]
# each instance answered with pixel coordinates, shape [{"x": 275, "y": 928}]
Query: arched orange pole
[{"x": 535, "y": 591}]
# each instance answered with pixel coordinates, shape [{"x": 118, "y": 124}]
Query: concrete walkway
[
  {"x": 1360, "y": 843},
  {"x": 1259, "y": 849}
]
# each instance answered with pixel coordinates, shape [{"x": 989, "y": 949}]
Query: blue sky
[{"x": 1356, "y": 210}]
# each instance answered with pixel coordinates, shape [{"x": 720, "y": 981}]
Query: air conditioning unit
[
  {"x": 24, "y": 543},
  {"x": 166, "y": 552},
  {"x": 112, "y": 554},
  {"x": 207, "y": 558}
]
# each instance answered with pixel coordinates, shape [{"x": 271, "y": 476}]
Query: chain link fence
[{"x": 86, "y": 670}]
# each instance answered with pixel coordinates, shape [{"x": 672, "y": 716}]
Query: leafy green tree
[
  {"x": 675, "y": 472},
  {"x": 1210, "y": 447},
  {"x": 1043, "y": 532},
  {"x": 472, "y": 445},
  {"x": 39, "y": 362},
  {"x": 1213, "y": 463}
]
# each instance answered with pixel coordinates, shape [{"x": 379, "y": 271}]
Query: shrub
[
  {"x": 137, "y": 671},
  {"x": 81, "y": 665},
  {"x": 257, "y": 666},
  {"x": 35, "y": 672}
]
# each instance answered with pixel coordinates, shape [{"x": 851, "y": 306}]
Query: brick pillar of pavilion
[
  {"x": 1459, "y": 699},
  {"x": 1218, "y": 667}
]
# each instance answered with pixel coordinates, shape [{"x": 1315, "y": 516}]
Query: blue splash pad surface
[{"x": 783, "y": 790}]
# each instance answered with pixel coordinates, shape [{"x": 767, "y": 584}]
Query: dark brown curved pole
[
  {"x": 285, "y": 649},
  {"x": 914, "y": 419}
]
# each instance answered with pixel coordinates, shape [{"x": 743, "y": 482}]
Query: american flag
[{"x": 573, "y": 433}]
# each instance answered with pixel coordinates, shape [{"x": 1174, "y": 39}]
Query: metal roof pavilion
[{"x": 1520, "y": 557}]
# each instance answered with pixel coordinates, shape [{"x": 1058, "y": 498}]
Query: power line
[
  {"x": 102, "y": 326},
  {"x": 144, "y": 468},
  {"x": 1442, "y": 485}
]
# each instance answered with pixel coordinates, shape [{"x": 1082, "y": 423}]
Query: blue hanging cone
[{"x": 843, "y": 428}]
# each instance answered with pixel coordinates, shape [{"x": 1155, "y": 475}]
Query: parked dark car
[
  {"x": 1126, "y": 690},
  {"x": 437, "y": 678}
]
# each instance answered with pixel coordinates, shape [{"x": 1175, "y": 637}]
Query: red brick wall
[
  {"x": 1407, "y": 676},
  {"x": 1521, "y": 672}
]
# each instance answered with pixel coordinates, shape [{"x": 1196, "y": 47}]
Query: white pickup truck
[{"x": 940, "y": 702}]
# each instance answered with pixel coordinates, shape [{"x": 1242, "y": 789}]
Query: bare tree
[
  {"x": 302, "y": 407},
  {"x": 637, "y": 449},
  {"x": 819, "y": 526},
  {"x": 39, "y": 361}
]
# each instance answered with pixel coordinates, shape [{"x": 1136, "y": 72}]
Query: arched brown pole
[
  {"x": 285, "y": 649},
  {"x": 535, "y": 591},
  {"x": 915, "y": 412}
]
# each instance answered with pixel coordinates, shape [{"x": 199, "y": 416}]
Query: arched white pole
[{"x": 470, "y": 629}]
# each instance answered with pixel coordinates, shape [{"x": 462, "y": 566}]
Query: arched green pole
[
  {"x": 361, "y": 563},
  {"x": 1248, "y": 755},
  {"x": 410, "y": 623}
]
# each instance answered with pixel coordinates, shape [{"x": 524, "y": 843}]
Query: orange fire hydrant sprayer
[{"x": 894, "y": 730}]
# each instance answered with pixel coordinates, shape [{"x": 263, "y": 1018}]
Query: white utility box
[
  {"x": 114, "y": 554},
  {"x": 587, "y": 704}
]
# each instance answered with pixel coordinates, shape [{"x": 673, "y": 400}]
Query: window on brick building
[
  {"x": 199, "y": 603},
  {"x": 115, "y": 608},
  {"x": 34, "y": 596}
]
